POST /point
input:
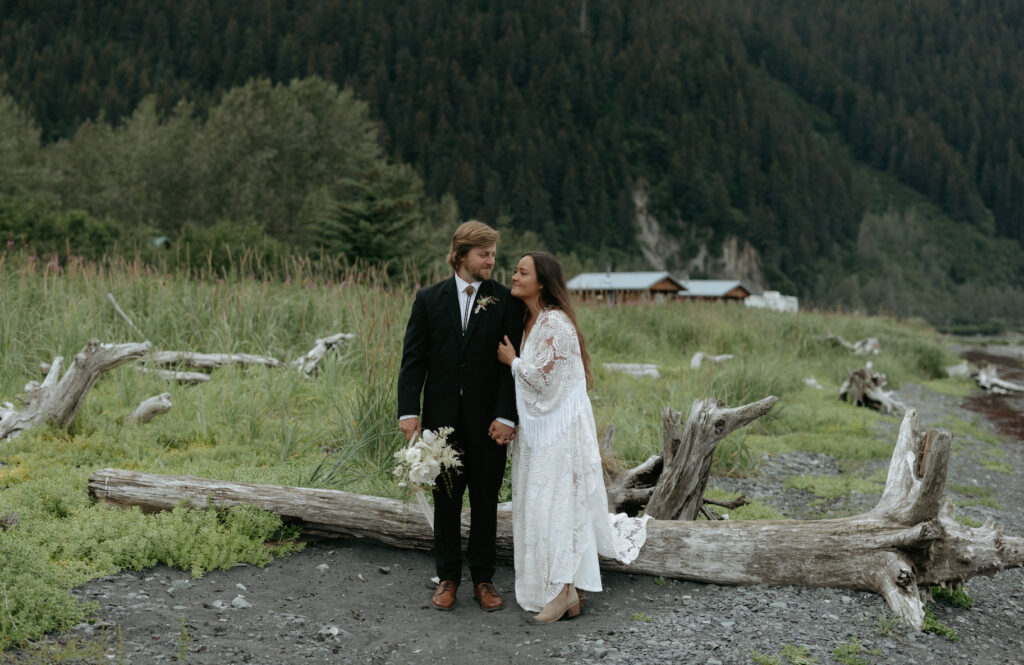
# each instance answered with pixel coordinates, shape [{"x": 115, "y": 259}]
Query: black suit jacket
[{"x": 438, "y": 361}]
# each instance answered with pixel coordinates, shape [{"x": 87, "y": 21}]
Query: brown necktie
[{"x": 469, "y": 304}]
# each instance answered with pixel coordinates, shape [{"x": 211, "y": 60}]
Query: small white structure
[{"x": 774, "y": 300}]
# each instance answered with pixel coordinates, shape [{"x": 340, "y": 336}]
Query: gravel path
[{"x": 361, "y": 602}]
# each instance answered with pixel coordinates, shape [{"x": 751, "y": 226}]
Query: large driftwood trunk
[
  {"x": 898, "y": 549},
  {"x": 58, "y": 398}
]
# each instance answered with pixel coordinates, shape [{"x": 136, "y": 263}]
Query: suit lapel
[
  {"x": 474, "y": 317},
  {"x": 450, "y": 296}
]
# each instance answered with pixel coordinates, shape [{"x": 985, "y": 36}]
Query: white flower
[
  {"x": 413, "y": 455},
  {"x": 419, "y": 463},
  {"x": 482, "y": 303},
  {"x": 421, "y": 473}
]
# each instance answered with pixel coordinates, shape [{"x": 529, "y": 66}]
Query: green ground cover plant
[
  {"x": 957, "y": 596},
  {"x": 337, "y": 428},
  {"x": 831, "y": 487},
  {"x": 932, "y": 624},
  {"x": 851, "y": 651},
  {"x": 976, "y": 495}
]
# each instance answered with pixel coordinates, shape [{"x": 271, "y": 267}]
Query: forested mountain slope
[{"x": 795, "y": 128}]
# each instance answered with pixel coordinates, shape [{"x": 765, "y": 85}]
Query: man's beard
[{"x": 481, "y": 275}]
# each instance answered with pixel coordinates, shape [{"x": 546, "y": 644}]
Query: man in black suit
[{"x": 450, "y": 356}]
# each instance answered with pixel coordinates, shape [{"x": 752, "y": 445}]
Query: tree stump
[{"x": 687, "y": 454}]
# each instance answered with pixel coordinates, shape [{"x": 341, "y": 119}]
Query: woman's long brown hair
[{"x": 555, "y": 293}]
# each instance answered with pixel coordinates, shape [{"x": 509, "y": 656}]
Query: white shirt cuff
[
  {"x": 506, "y": 422},
  {"x": 407, "y": 417}
]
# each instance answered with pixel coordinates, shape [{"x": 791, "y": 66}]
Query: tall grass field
[{"x": 338, "y": 429}]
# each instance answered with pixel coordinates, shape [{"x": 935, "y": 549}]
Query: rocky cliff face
[{"x": 738, "y": 259}]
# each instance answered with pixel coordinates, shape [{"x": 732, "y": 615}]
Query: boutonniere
[{"x": 482, "y": 303}]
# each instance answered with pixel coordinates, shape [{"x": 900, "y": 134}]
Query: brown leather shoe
[
  {"x": 488, "y": 597},
  {"x": 444, "y": 595}
]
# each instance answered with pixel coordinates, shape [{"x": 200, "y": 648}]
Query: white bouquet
[{"x": 421, "y": 462}]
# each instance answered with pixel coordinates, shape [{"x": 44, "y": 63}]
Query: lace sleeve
[{"x": 556, "y": 348}]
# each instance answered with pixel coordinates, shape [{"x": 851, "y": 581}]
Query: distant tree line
[{"x": 764, "y": 120}]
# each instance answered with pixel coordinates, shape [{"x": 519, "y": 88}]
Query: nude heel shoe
[{"x": 565, "y": 602}]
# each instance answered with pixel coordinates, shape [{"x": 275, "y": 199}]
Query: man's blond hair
[{"x": 469, "y": 235}]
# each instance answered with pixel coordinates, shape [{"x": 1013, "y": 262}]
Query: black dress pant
[{"x": 482, "y": 470}]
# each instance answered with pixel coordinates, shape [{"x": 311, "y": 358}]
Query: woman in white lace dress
[{"x": 560, "y": 518}]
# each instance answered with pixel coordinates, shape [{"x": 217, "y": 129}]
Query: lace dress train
[{"x": 560, "y": 517}]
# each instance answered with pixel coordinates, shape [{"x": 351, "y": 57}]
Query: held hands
[
  {"x": 501, "y": 433},
  {"x": 506, "y": 352}
]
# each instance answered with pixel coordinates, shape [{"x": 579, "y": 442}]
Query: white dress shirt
[{"x": 466, "y": 302}]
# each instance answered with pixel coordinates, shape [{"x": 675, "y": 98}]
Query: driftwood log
[
  {"x": 308, "y": 363},
  {"x": 209, "y": 360},
  {"x": 813, "y": 383},
  {"x": 699, "y": 357},
  {"x": 58, "y": 398},
  {"x": 988, "y": 378},
  {"x": 907, "y": 543},
  {"x": 151, "y": 408},
  {"x": 671, "y": 485},
  {"x": 863, "y": 347},
  {"x": 864, "y": 387},
  {"x": 644, "y": 370},
  {"x": 181, "y": 378},
  {"x": 687, "y": 454}
]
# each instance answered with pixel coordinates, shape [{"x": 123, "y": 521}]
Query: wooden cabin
[
  {"x": 714, "y": 289},
  {"x": 626, "y": 287}
]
